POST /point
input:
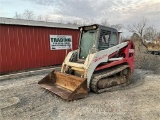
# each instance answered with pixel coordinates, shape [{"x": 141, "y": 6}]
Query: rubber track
[{"x": 97, "y": 76}]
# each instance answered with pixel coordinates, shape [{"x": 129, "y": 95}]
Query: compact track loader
[{"x": 101, "y": 63}]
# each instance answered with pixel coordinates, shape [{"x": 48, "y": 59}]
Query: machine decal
[
  {"x": 131, "y": 50},
  {"x": 99, "y": 58}
]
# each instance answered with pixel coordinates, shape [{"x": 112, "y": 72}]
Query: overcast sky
[{"x": 114, "y": 11}]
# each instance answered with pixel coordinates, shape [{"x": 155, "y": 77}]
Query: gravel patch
[{"x": 139, "y": 100}]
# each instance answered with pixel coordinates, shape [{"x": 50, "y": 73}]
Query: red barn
[{"x": 26, "y": 44}]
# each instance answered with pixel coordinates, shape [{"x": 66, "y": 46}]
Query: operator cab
[{"x": 96, "y": 38}]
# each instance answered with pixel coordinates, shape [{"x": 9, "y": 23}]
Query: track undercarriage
[{"x": 110, "y": 79}]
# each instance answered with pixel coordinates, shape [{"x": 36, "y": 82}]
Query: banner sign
[{"x": 60, "y": 42}]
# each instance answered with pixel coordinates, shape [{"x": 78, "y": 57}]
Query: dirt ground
[
  {"x": 22, "y": 99},
  {"x": 138, "y": 101}
]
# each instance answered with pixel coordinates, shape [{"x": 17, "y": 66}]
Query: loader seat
[{"x": 103, "y": 43}]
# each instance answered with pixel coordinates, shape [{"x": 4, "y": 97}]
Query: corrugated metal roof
[{"x": 12, "y": 21}]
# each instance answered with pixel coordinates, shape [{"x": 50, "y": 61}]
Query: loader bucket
[{"x": 67, "y": 86}]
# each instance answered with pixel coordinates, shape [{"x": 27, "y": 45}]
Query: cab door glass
[
  {"x": 114, "y": 39},
  {"x": 87, "y": 42}
]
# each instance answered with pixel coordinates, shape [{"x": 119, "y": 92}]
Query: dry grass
[{"x": 153, "y": 46}]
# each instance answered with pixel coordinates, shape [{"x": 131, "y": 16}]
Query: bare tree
[
  {"x": 139, "y": 29},
  {"x": 60, "y": 21},
  {"x": 150, "y": 34},
  {"x": 158, "y": 36},
  {"x": 18, "y": 16},
  {"x": 117, "y": 26},
  {"x": 105, "y": 22},
  {"x": 46, "y": 18},
  {"x": 86, "y": 21},
  {"x": 40, "y": 18},
  {"x": 69, "y": 23},
  {"x": 28, "y": 15},
  {"x": 75, "y": 22}
]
